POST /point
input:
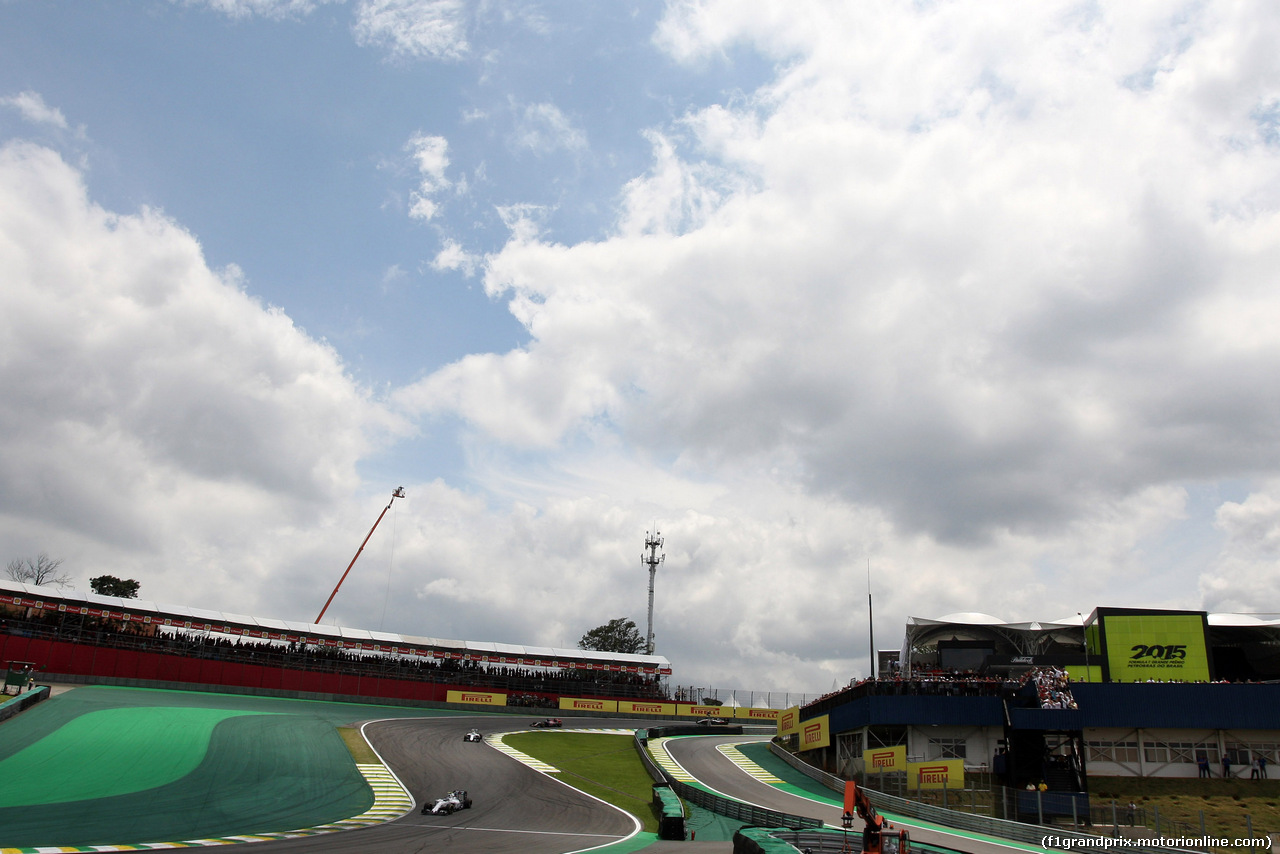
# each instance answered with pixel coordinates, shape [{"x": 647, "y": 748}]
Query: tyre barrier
[
  {"x": 670, "y": 812},
  {"x": 22, "y": 702}
]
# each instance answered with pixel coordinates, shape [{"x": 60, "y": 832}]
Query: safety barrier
[
  {"x": 670, "y": 812},
  {"x": 1033, "y": 834},
  {"x": 758, "y": 840},
  {"x": 22, "y": 702},
  {"x": 747, "y": 813}
]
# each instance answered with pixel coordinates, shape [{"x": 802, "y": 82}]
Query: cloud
[
  {"x": 431, "y": 156},
  {"x": 35, "y": 110},
  {"x": 951, "y": 271},
  {"x": 153, "y": 407},
  {"x": 1245, "y": 577},
  {"x": 265, "y": 8},
  {"x": 453, "y": 257},
  {"x": 413, "y": 29},
  {"x": 543, "y": 128}
]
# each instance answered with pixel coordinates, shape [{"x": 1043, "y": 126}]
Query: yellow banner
[
  {"x": 478, "y": 697},
  {"x": 588, "y": 705},
  {"x": 814, "y": 733},
  {"x": 938, "y": 774},
  {"x": 765, "y": 715},
  {"x": 880, "y": 759},
  {"x": 705, "y": 711},
  {"x": 789, "y": 721},
  {"x": 632, "y": 707}
]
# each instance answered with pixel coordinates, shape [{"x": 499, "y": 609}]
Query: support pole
[{"x": 399, "y": 493}]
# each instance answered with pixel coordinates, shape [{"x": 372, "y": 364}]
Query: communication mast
[{"x": 652, "y": 542}]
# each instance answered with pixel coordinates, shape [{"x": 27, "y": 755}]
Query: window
[
  {"x": 1113, "y": 751},
  {"x": 948, "y": 748}
]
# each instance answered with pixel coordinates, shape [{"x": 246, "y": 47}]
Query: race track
[
  {"x": 516, "y": 809},
  {"x": 700, "y": 758}
]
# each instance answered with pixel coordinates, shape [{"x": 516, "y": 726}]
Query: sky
[{"x": 971, "y": 305}]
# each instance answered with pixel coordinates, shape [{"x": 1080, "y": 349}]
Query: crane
[
  {"x": 398, "y": 493},
  {"x": 876, "y": 838}
]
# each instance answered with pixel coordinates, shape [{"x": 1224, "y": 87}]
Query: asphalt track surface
[
  {"x": 515, "y": 808},
  {"x": 700, "y": 758}
]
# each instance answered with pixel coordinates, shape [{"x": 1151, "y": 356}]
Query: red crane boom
[{"x": 399, "y": 493}]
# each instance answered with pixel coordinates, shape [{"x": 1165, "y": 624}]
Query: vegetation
[
  {"x": 618, "y": 635},
  {"x": 38, "y": 570},
  {"x": 361, "y": 752},
  {"x": 109, "y": 585},
  {"x": 1225, "y": 803},
  {"x": 602, "y": 765}
]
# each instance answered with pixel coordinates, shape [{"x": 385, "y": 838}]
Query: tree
[
  {"x": 109, "y": 585},
  {"x": 619, "y": 635},
  {"x": 41, "y": 569}
]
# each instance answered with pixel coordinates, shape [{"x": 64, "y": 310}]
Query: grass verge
[
  {"x": 361, "y": 752},
  {"x": 1225, "y": 803},
  {"x": 605, "y": 766}
]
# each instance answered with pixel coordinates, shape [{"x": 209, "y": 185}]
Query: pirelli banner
[
  {"x": 767, "y": 716},
  {"x": 789, "y": 721},
  {"x": 704, "y": 711},
  {"x": 938, "y": 774},
  {"x": 632, "y": 707},
  {"x": 479, "y": 698},
  {"x": 582, "y": 704},
  {"x": 815, "y": 733},
  {"x": 879, "y": 760}
]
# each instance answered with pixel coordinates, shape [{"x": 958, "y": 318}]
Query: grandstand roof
[{"x": 199, "y": 619}]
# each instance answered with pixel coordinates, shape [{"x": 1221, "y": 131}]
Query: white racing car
[
  {"x": 473, "y": 735},
  {"x": 449, "y": 804}
]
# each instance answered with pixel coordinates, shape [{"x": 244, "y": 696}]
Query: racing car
[
  {"x": 449, "y": 804},
  {"x": 711, "y": 721},
  {"x": 473, "y": 735},
  {"x": 546, "y": 723}
]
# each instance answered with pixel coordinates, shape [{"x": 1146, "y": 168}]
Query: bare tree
[{"x": 41, "y": 569}]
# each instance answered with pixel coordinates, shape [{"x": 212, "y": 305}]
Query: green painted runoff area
[
  {"x": 104, "y": 766},
  {"x": 806, "y": 787}
]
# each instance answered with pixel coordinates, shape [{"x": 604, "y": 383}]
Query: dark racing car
[{"x": 548, "y": 723}]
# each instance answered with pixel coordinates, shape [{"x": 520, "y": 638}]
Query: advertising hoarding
[
  {"x": 878, "y": 760},
  {"x": 1162, "y": 646},
  {"x": 481, "y": 698},
  {"x": 938, "y": 774}
]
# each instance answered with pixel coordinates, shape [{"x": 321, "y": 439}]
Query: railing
[
  {"x": 1032, "y": 834},
  {"x": 737, "y": 810}
]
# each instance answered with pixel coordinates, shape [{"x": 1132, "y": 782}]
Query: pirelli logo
[
  {"x": 768, "y": 714},
  {"x": 477, "y": 697},
  {"x": 883, "y": 759},
  {"x": 933, "y": 773},
  {"x": 811, "y": 734},
  {"x": 787, "y": 721},
  {"x": 643, "y": 707},
  {"x": 594, "y": 705}
]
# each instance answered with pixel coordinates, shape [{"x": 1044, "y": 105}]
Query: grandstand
[
  {"x": 84, "y": 634},
  {"x": 1121, "y": 692}
]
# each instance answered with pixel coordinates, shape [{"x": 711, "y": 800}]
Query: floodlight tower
[{"x": 652, "y": 542}]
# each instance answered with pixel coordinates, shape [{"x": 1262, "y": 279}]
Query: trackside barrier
[
  {"x": 22, "y": 702},
  {"x": 1033, "y": 834},
  {"x": 670, "y": 812},
  {"x": 747, "y": 813},
  {"x": 758, "y": 840}
]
